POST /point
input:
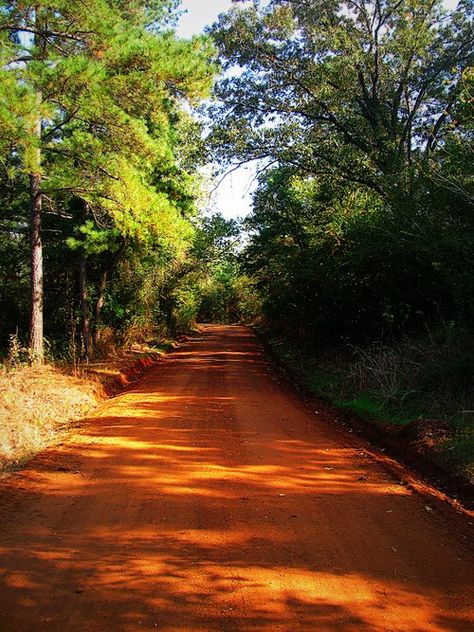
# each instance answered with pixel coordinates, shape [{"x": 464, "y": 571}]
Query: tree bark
[
  {"x": 36, "y": 346},
  {"x": 84, "y": 299},
  {"x": 36, "y": 336},
  {"x": 99, "y": 304}
]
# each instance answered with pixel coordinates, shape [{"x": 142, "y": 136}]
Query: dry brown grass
[{"x": 36, "y": 404}]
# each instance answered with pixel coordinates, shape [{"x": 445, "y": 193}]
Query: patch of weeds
[
  {"x": 461, "y": 448},
  {"x": 374, "y": 411},
  {"x": 17, "y": 352},
  {"x": 325, "y": 383},
  {"x": 35, "y": 403}
]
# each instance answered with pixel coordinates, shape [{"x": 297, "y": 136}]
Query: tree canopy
[
  {"x": 351, "y": 90},
  {"x": 360, "y": 113},
  {"x": 97, "y": 139}
]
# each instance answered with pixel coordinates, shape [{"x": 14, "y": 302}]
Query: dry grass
[
  {"x": 38, "y": 404},
  {"x": 433, "y": 375},
  {"x": 35, "y": 405}
]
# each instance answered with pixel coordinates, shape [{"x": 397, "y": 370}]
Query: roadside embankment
[
  {"x": 38, "y": 405},
  {"x": 393, "y": 396}
]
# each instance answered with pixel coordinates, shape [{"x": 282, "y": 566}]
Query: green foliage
[
  {"x": 227, "y": 295},
  {"x": 339, "y": 261},
  {"x": 370, "y": 409},
  {"x": 118, "y": 151},
  {"x": 208, "y": 284},
  {"x": 355, "y": 91},
  {"x": 362, "y": 223}
]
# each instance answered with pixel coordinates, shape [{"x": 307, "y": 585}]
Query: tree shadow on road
[{"x": 182, "y": 508}]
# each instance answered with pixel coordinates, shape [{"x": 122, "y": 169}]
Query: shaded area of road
[{"x": 209, "y": 498}]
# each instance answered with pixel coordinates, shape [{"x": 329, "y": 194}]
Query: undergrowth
[{"x": 435, "y": 374}]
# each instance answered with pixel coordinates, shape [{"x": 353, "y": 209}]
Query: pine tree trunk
[
  {"x": 99, "y": 304},
  {"x": 36, "y": 339},
  {"x": 36, "y": 347},
  {"x": 84, "y": 298}
]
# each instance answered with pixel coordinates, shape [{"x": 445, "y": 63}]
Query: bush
[{"x": 435, "y": 374}]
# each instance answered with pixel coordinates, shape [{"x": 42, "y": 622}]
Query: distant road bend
[{"x": 208, "y": 497}]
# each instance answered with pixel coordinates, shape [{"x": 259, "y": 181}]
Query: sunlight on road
[{"x": 208, "y": 498}]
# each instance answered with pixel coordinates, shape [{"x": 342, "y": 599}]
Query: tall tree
[
  {"x": 359, "y": 90},
  {"x": 97, "y": 76}
]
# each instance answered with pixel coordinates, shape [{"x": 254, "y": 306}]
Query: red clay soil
[{"x": 208, "y": 497}]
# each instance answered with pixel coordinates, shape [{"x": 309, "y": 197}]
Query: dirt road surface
[{"x": 208, "y": 497}]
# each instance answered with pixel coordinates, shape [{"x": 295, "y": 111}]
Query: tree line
[
  {"x": 360, "y": 115},
  {"x": 100, "y": 231}
]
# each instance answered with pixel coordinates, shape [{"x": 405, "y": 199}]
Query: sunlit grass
[{"x": 35, "y": 404}]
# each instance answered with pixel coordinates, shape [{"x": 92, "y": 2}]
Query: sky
[
  {"x": 199, "y": 14},
  {"x": 232, "y": 198}
]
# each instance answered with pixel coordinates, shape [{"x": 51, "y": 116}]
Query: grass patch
[
  {"x": 38, "y": 403},
  {"x": 368, "y": 406},
  {"x": 324, "y": 383},
  {"x": 373, "y": 411},
  {"x": 462, "y": 448},
  {"x": 35, "y": 406}
]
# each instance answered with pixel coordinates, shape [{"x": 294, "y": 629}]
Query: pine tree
[{"x": 93, "y": 87}]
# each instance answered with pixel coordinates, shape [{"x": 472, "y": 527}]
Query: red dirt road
[{"x": 208, "y": 497}]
